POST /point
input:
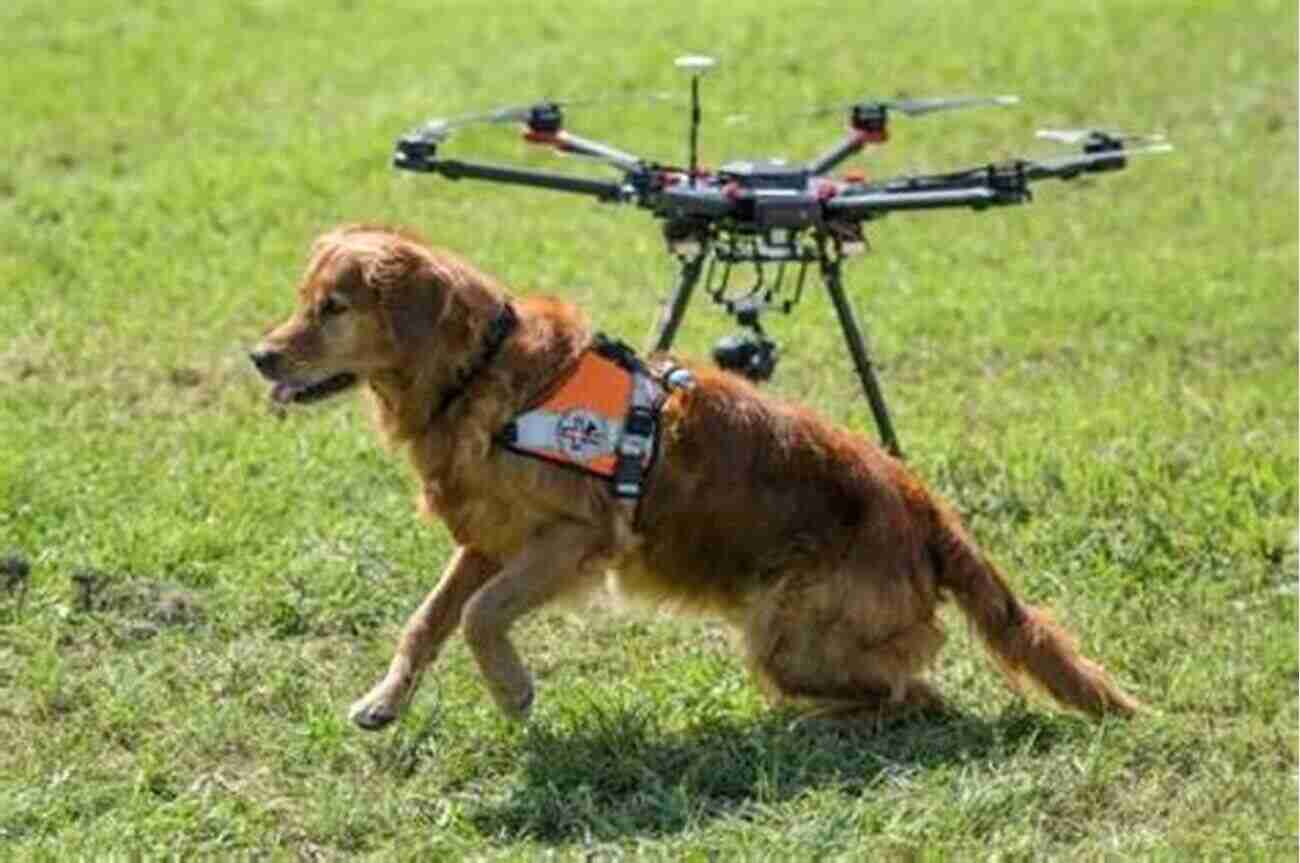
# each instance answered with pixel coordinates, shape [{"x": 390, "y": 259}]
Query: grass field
[{"x": 1104, "y": 383}]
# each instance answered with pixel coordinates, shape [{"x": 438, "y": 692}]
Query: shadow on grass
[{"x": 623, "y": 775}]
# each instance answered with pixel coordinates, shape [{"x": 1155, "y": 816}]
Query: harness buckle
[
  {"x": 627, "y": 476},
  {"x": 640, "y": 421},
  {"x": 678, "y": 378}
]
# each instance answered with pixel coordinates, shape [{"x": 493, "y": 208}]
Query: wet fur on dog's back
[{"x": 827, "y": 556}]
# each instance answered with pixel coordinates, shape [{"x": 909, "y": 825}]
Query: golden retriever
[{"x": 826, "y": 556}]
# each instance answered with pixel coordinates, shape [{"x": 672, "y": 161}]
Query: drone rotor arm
[
  {"x": 570, "y": 143},
  {"x": 873, "y": 204},
  {"x": 602, "y": 190},
  {"x": 990, "y": 185},
  {"x": 419, "y": 154},
  {"x": 845, "y": 149}
]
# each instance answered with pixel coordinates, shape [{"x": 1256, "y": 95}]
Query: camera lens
[{"x": 750, "y": 356}]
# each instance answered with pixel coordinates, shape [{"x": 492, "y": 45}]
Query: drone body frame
[{"x": 770, "y": 214}]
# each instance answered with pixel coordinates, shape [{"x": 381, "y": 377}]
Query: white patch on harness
[{"x": 583, "y": 435}]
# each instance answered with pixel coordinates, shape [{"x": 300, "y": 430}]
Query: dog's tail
[{"x": 1024, "y": 640}]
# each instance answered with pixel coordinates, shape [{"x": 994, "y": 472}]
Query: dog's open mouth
[{"x": 285, "y": 393}]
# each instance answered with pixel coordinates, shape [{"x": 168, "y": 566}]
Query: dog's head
[{"x": 371, "y": 301}]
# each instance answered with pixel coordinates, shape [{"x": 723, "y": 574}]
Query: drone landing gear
[
  {"x": 670, "y": 316},
  {"x": 754, "y": 355},
  {"x": 858, "y": 350}
]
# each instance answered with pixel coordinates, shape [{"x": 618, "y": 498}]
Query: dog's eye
[{"x": 330, "y": 307}]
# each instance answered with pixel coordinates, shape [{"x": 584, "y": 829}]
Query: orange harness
[{"x": 603, "y": 419}]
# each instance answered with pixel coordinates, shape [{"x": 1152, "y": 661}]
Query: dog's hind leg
[
  {"x": 844, "y": 655},
  {"x": 877, "y": 682},
  {"x": 430, "y": 625},
  {"x": 558, "y": 560}
]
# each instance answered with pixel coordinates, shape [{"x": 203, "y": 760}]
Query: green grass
[{"x": 1103, "y": 382}]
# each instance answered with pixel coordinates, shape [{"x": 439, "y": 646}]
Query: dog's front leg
[
  {"x": 554, "y": 562},
  {"x": 435, "y": 619}
]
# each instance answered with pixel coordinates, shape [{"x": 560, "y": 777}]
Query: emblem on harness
[
  {"x": 602, "y": 418},
  {"x": 583, "y": 435}
]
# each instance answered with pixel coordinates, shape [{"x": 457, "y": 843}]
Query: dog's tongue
[{"x": 283, "y": 393}]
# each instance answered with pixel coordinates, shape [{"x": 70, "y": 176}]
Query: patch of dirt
[
  {"x": 146, "y": 606},
  {"x": 184, "y": 378},
  {"x": 15, "y": 573}
]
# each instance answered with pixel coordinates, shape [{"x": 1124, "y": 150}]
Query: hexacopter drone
[{"x": 771, "y": 214}]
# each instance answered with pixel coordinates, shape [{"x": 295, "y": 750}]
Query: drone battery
[
  {"x": 771, "y": 174},
  {"x": 782, "y": 209}
]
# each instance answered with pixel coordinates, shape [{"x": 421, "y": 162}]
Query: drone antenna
[{"x": 697, "y": 65}]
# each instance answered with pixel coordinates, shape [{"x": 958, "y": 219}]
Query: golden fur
[{"x": 826, "y": 556}]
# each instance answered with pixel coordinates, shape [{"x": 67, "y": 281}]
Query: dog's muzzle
[
  {"x": 267, "y": 362},
  {"x": 271, "y": 366}
]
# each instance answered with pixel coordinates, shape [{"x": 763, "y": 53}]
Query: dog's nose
[{"x": 266, "y": 361}]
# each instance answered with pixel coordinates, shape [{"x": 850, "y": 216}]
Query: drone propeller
[
  {"x": 542, "y": 110},
  {"x": 917, "y": 107},
  {"x": 440, "y": 127},
  {"x": 1082, "y": 136},
  {"x": 1101, "y": 147},
  {"x": 1101, "y": 156}
]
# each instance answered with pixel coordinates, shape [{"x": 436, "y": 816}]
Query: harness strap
[
  {"x": 636, "y": 446},
  {"x": 603, "y": 419},
  {"x": 498, "y": 331}
]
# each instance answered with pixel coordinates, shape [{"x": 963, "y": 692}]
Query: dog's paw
[
  {"x": 525, "y": 705},
  {"x": 371, "y": 717},
  {"x": 516, "y": 705},
  {"x": 376, "y": 709}
]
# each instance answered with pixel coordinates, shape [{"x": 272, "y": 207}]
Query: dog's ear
[
  {"x": 351, "y": 280},
  {"x": 411, "y": 296}
]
